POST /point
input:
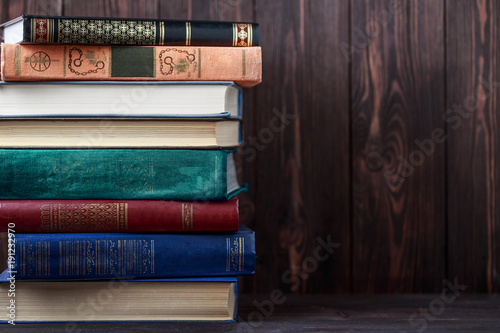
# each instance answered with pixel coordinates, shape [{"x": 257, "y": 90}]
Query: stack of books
[{"x": 118, "y": 196}]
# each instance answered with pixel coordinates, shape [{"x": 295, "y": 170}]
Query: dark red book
[{"x": 117, "y": 216}]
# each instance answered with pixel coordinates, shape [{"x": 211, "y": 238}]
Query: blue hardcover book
[
  {"x": 118, "y": 300},
  {"x": 145, "y": 174},
  {"x": 132, "y": 256}
]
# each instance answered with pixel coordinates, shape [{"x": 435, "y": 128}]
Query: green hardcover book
[{"x": 155, "y": 174}]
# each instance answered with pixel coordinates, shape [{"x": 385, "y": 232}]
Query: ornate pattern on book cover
[{"x": 117, "y": 31}]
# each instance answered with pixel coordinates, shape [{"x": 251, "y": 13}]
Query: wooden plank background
[{"x": 389, "y": 149}]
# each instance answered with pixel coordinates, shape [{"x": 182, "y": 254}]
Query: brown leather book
[{"x": 37, "y": 62}]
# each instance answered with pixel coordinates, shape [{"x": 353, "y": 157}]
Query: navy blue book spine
[{"x": 89, "y": 256}]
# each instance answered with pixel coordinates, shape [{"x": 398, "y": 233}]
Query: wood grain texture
[
  {"x": 397, "y": 100},
  {"x": 112, "y": 8},
  {"x": 15, "y": 8},
  {"x": 474, "y": 146},
  {"x": 43, "y": 7},
  {"x": 302, "y": 169}
]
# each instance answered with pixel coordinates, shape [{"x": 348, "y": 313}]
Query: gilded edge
[{"x": 17, "y": 60}]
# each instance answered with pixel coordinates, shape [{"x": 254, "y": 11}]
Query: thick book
[
  {"x": 129, "y": 31},
  {"x": 88, "y": 256},
  {"x": 115, "y": 300},
  {"x": 118, "y": 174},
  {"x": 120, "y": 99},
  {"x": 119, "y": 133},
  {"x": 42, "y": 216},
  {"x": 49, "y": 62}
]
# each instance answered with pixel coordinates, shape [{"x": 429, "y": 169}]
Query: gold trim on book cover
[
  {"x": 228, "y": 254},
  {"x": 106, "y": 31},
  {"x": 152, "y": 256},
  {"x": 244, "y": 62},
  {"x": 188, "y": 33},
  {"x": 187, "y": 216},
  {"x": 235, "y": 259},
  {"x": 162, "y": 33},
  {"x": 42, "y": 30},
  {"x": 83, "y": 216},
  {"x": 235, "y": 34},
  {"x": 242, "y": 34},
  {"x": 17, "y": 60}
]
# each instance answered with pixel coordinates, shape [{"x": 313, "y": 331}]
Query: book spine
[
  {"x": 139, "y": 32},
  {"x": 50, "y": 216},
  {"x": 113, "y": 174},
  {"x": 133, "y": 256},
  {"x": 37, "y": 62}
]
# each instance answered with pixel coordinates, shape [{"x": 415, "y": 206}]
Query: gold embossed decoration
[
  {"x": 106, "y": 32},
  {"x": 83, "y": 216},
  {"x": 242, "y": 34},
  {"x": 187, "y": 216}
]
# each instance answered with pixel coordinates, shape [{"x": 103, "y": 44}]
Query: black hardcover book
[{"x": 128, "y": 31}]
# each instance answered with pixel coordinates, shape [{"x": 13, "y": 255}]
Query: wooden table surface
[{"x": 326, "y": 313}]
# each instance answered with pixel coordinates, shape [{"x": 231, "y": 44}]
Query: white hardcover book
[{"x": 120, "y": 99}]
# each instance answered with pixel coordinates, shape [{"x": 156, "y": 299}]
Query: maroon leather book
[{"x": 26, "y": 216}]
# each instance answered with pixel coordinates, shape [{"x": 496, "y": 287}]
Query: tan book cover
[{"x": 46, "y": 62}]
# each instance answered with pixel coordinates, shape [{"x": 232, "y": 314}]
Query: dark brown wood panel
[
  {"x": 398, "y": 169},
  {"x": 301, "y": 147},
  {"x": 112, "y": 8},
  {"x": 4, "y": 10},
  {"x": 474, "y": 146},
  {"x": 45, "y": 7},
  {"x": 16, "y": 8}
]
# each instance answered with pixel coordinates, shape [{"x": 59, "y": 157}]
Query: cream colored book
[
  {"x": 205, "y": 299},
  {"x": 118, "y": 133}
]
